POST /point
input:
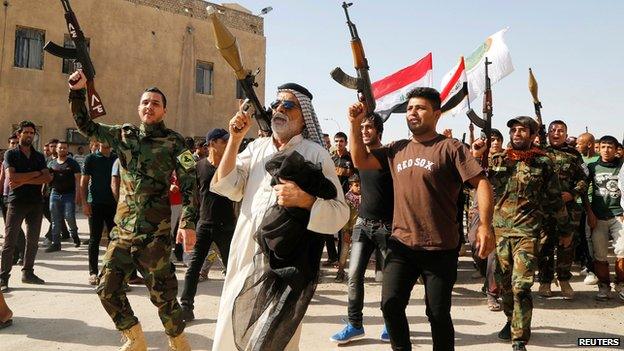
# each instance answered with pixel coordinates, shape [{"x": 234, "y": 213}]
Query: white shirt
[{"x": 251, "y": 183}]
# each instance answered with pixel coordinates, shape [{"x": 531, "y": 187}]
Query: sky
[{"x": 574, "y": 48}]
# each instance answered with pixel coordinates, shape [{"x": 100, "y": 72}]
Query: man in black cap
[
  {"x": 243, "y": 177},
  {"x": 216, "y": 219},
  {"x": 487, "y": 267}
]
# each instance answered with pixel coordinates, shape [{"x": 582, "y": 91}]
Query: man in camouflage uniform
[
  {"x": 526, "y": 191},
  {"x": 148, "y": 155},
  {"x": 572, "y": 178}
]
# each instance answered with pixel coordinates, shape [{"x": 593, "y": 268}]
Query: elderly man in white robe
[{"x": 243, "y": 177}]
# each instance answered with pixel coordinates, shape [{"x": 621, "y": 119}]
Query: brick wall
[{"x": 197, "y": 9}]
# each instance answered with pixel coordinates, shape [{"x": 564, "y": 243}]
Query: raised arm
[
  {"x": 238, "y": 127},
  {"x": 362, "y": 159},
  {"x": 86, "y": 126}
]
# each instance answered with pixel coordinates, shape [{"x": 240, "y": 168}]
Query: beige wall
[{"x": 134, "y": 44}]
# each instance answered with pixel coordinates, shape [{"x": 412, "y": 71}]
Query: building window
[
  {"x": 69, "y": 66},
  {"x": 29, "y": 48},
  {"x": 240, "y": 93},
  {"x": 203, "y": 78}
]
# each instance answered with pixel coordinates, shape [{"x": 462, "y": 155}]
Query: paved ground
[{"x": 65, "y": 313}]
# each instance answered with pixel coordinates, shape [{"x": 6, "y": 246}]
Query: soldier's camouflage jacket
[
  {"x": 571, "y": 170},
  {"x": 526, "y": 193},
  {"x": 148, "y": 155}
]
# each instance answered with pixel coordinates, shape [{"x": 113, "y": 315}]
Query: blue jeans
[
  {"x": 63, "y": 208},
  {"x": 367, "y": 236}
]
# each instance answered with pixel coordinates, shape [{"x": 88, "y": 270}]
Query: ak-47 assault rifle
[
  {"x": 538, "y": 108},
  {"x": 227, "y": 45},
  {"x": 81, "y": 56},
  {"x": 362, "y": 83},
  {"x": 485, "y": 123}
]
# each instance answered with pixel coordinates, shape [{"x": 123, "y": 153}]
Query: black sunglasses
[{"x": 288, "y": 104}]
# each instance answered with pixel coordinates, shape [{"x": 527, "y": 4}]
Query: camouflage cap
[{"x": 525, "y": 121}]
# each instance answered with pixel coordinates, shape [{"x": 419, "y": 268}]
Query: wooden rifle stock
[
  {"x": 362, "y": 82},
  {"x": 485, "y": 123}
]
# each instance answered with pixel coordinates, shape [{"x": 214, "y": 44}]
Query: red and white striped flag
[
  {"x": 454, "y": 93},
  {"x": 390, "y": 92}
]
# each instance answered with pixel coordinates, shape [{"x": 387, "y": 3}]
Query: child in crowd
[{"x": 353, "y": 198}]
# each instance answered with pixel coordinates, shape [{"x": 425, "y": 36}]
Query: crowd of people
[{"x": 528, "y": 207}]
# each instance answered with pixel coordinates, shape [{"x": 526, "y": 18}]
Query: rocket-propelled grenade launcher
[{"x": 227, "y": 45}]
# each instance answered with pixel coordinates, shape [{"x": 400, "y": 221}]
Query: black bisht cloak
[{"x": 273, "y": 302}]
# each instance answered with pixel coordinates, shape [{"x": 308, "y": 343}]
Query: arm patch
[{"x": 186, "y": 160}]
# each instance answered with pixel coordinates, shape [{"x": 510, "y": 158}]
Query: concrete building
[{"x": 134, "y": 44}]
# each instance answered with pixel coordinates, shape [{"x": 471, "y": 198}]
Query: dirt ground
[{"x": 65, "y": 313}]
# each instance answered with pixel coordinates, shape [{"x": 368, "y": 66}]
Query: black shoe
[
  {"x": 53, "y": 248},
  {"x": 505, "y": 333},
  {"x": 519, "y": 346},
  {"x": 76, "y": 241},
  {"x": 341, "y": 276},
  {"x": 29, "y": 277},
  {"x": 4, "y": 285},
  {"x": 85, "y": 242},
  {"x": 187, "y": 314}
]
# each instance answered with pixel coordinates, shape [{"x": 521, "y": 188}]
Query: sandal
[{"x": 493, "y": 304}]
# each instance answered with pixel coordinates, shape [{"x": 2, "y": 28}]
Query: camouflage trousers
[
  {"x": 547, "y": 264},
  {"x": 150, "y": 255},
  {"x": 516, "y": 266}
]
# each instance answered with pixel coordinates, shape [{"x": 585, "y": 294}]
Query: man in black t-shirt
[
  {"x": 342, "y": 160},
  {"x": 344, "y": 170},
  {"x": 64, "y": 194},
  {"x": 216, "y": 220},
  {"x": 98, "y": 202},
  {"x": 27, "y": 171},
  {"x": 371, "y": 231}
]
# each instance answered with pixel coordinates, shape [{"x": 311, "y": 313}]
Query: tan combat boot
[
  {"x": 135, "y": 340},
  {"x": 566, "y": 290},
  {"x": 179, "y": 343},
  {"x": 544, "y": 290}
]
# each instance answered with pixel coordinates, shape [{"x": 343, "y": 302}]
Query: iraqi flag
[
  {"x": 390, "y": 92},
  {"x": 454, "y": 90}
]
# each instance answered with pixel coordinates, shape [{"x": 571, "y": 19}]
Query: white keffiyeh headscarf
[{"x": 312, "y": 130}]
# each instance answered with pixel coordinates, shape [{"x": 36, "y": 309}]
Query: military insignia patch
[{"x": 186, "y": 160}]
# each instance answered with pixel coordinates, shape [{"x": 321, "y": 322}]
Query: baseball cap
[
  {"x": 525, "y": 121},
  {"x": 217, "y": 133}
]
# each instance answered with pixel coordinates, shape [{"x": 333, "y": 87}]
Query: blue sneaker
[
  {"x": 385, "y": 337},
  {"x": 349, "y": 333}
]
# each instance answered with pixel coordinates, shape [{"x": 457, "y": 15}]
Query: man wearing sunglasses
[{"x": 243, "y": 177}]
